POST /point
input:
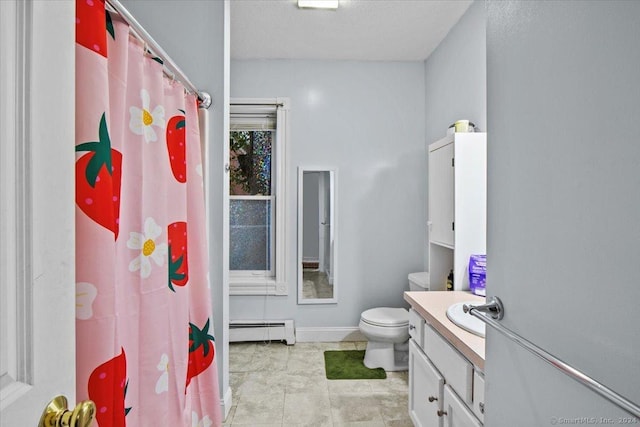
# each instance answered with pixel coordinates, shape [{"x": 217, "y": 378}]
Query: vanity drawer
[
  {"x": 457, "y": 371},
  {"x": 478, "y": 395},
  {"x": 416, "y": 327}
]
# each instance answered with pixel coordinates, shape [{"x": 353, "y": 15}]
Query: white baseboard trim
[
  {"x": 324, "y": 334},
  {"x": 225, "y": 403}
]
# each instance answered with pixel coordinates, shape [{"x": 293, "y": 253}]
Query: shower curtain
[{"x": 144, "y": 333}]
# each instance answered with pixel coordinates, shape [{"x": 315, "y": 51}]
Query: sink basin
[{"x": 465, "y": 320}]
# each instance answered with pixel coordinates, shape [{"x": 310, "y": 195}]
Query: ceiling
[{"x": 369, "y": 30}]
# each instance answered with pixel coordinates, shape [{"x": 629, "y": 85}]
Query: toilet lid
[{"x": 386, "y": 316}]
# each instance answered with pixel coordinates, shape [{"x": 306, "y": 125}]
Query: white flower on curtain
[
  {"x": 143, "y": 120},
  {"x": 197, "y": 422},
  {"x": 85, "y": 294},
  {"x": 148, "y": 246},
  {"x": 162, "y": 384}
]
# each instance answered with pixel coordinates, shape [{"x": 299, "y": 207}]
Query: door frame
[
  {"x": 322, "y": 219},
  {"x": 37, "y": 182}
]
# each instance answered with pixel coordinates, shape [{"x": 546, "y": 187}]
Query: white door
[
  {"x": 563, "y": 208},
  {"x": 37, "y": 305}
]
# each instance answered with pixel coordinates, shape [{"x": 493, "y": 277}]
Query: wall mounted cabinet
[{"x": 457, "y": 206}]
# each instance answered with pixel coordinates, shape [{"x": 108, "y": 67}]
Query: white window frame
[{"x": 259, "y": 283}]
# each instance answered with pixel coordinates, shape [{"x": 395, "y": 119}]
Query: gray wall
[
  {"x": 455, "y": 79},
  {"x": 366, "y": 119},
  {"x": 192, "y": 33},
  {"x": 455, "y": 76},
  {"x": 563, "y": 205}
]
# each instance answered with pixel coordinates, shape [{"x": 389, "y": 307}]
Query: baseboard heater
[{"x": 262, "y": 330}]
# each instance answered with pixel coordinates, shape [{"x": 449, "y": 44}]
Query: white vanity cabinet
[
  {"x": 457, "y": 206},
  {"x": 445, "y": 388}
]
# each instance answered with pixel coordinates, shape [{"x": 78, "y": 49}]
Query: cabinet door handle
[
  {"x": 432, "y": 399},
  {"x": 441, "y": 413},
  {"x": 481, "y": 406},
  {"x": 411, "y": 327}
]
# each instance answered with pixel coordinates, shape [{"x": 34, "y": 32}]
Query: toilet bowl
[{"x": 387, "y": 331}]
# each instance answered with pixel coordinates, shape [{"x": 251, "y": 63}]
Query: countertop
[{"x": 432, "y": 306}]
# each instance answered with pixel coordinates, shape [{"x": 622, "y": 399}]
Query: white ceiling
[{"x": 384, "y": 30}]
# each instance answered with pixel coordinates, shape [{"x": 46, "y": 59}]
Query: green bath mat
[{"x": 349, "y": 365}]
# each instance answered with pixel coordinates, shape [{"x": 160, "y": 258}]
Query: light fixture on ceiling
[{"x": 318, "y": 4}]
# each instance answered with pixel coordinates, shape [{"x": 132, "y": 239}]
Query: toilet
[{"x": 387, "y": 331}]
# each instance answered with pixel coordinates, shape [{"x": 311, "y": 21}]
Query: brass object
[{"x": 56, "y": 414}]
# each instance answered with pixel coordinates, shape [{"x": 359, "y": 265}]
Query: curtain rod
[{"x": 204, "y": 99}]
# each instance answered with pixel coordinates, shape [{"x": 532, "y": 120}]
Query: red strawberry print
[
  {"x": 201, "y": 350},
  {"x": 99, "y": 179},
  {"x": 178, "y": 261},
  {"x": 176, "y": 146},
  {"x": 107, "y": 388},
  {"x": 91, "y": 25}
]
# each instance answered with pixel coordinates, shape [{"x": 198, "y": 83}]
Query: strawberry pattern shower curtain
[{"x": 144, "y": 333}]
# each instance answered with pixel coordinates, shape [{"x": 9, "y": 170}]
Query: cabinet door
[
  {"x": 455, "y": 412},
  {"x": 425, "y": 389},
  {"x": 478, "y": 396},
  {"x": 441, "y": 195}
]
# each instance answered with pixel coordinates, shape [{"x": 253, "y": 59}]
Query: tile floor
[
  {"x": 315, "y": 284},
  {"x": 278, "y": 385}
]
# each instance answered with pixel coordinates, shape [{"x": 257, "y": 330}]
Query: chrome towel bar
[{"x": 496, "y": 311}]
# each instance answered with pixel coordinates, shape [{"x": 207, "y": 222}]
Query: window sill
[{"x": 240, "y": 286}]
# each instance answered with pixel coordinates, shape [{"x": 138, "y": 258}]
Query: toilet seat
[{"x": 386, "y": 317}]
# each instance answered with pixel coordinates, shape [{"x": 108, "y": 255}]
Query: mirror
[{"x": 316, "y": 236}]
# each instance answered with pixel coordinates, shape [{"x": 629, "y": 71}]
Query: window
[{"x": 257, "y": 195}]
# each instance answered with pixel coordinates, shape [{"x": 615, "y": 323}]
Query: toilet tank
[{"x": 419, "y": 281}]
